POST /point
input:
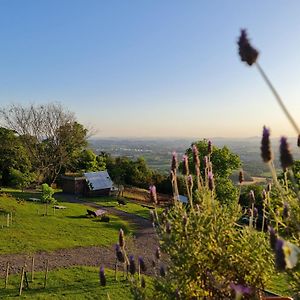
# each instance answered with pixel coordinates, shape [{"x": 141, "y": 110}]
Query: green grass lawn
[
  {"x": 71, "y": 283},
  {"x": 31, "y": 231},
  {"x": 130, "y": 207}
]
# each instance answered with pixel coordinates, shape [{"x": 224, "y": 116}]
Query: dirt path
[{"x": 142, "y": 244}]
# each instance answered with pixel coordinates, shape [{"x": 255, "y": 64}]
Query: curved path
[{"x": 143, "y": 243}]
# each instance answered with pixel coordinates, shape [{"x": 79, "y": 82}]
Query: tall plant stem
[{"x": 277, "y": 97}]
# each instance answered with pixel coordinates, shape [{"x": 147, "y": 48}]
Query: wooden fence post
[
  {"x": 22, "y": 279},
  {"x": 46, "y": 273},
  {"x": 6, "y": 274},
  {"x": 32, "y": 268}
]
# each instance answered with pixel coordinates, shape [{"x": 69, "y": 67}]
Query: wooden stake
[
  {"x": 7, "y": 220},
  {"x": 11, "y": 218},
  {"x": 32, "y": 269},
  {"x": 6, "y": 274},
  {"x": 116, "y": 268},
  {"x": 46, "y": 273},
  {"x": 21, "y": 283}
]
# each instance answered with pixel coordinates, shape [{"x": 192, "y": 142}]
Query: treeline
[{"x": 41, "y": 142}]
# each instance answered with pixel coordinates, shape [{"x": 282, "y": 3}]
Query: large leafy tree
[
  {"x": 14, "y": 158},
  {"x": 50, "y": 135}
]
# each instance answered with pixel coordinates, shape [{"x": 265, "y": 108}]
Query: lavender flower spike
[
  {"x": 153, "y": 194},
  {"x": 286, "y": 158},
  {"x": 102, "y": 277},
  {"x": 121, "y": 238},
  {"x": 119, "y": 254},
  {"x": 196, "y": 156},
  {"x": 279, "y": 255},
  {"x": 132, "y": 267},
  {"x": 241, "y": 177},
  {"x": 273, "y": 237},
  {"x": 240, "y": 290},
  {"x": 174, "y": 163},
  {"x": 142, "y": 264},
  {"x": 247, "y": 53},
  {"x": 209, "y": 147},
  {"x": 185, "y": 165},
  {"x": 265, "y": 147},
  {"x": 211, "y": 181}
]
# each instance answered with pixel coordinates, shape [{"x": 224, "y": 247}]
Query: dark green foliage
[{"x": 15, "y": 166}]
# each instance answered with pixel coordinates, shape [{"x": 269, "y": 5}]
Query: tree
[
  {"x": 88, "y": 161},
  {"x": 50, "y": 134},
  {"x": 21, "y": 180},
  {"x": 13, "y": 156}
]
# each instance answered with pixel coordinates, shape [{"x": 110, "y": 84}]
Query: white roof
[{"x": 98, "y": 180}]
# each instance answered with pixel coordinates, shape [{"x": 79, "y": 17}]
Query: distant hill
[{"x": 158, "y": 152}]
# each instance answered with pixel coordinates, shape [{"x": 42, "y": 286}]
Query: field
[{"x": 31, "y": 231}]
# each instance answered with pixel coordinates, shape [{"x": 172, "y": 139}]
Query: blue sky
[{"x": 153, "y": 68}]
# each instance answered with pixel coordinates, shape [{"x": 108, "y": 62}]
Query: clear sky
[{"x": 153, "y": 68}]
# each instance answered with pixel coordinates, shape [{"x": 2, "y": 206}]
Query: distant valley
[{"x": 157, "y": 152}]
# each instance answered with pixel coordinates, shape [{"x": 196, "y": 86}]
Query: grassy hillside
[{"x": 31, "y": 231}]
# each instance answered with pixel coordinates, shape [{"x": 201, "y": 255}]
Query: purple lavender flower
[
  {"x": 142, "y": 264},
  {"x": 286, "y": 158},
  {"x": 153, "y": 194},
  {"x": 209, "y": 147},
  {"x": 132, "y": 267},
  {"x": 190, "y": 180},
  {"x": 247, "y": 53},
  {"x": 241, "y": 177},
  {"x": 240, "y": 290},
  {"x": 255, "y": 212},
  {"x": 265, "y": 147},
  {"x": 121, "y": 238},
  {"x": 196, "y": 156},
  {"x": 174, "y": 163},
  {"x": 211, "y": 181},
  {"x": 273, "y": 237},
  {"x": 298, "y": 141},
  {"x": 102, "y": 277},
  {"x": 162, "y": 271},
  {"x": 286, "y": 211},
  {"x": 251, "y": 197},
  {"x": 279, "y": 255},
  {"x": 185, "y": 165},
  {"x": 119, "y": 254},
  {"x": 205, "y": 162}
]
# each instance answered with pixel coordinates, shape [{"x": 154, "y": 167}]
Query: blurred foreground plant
[{"x": 284, "y": 208}]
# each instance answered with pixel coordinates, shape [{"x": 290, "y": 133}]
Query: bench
[{"x": 97, "y": 213}]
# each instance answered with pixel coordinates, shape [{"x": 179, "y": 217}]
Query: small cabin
[{"x": 89, "y": 185}]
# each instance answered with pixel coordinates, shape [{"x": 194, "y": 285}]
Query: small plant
[{"x": 47, "y": 196}]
